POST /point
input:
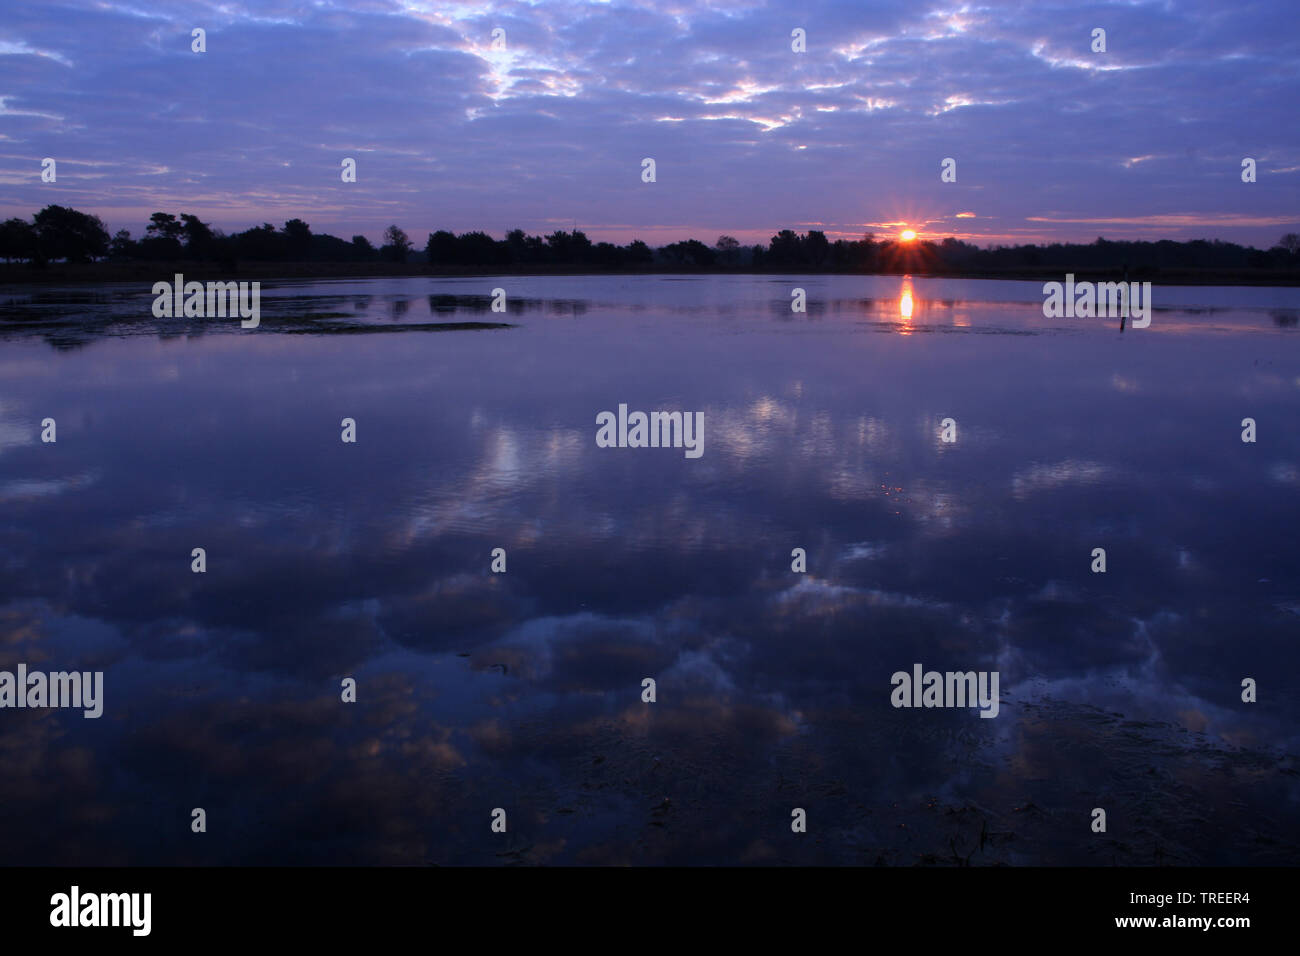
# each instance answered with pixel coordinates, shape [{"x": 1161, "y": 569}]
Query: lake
[{"x": 523, "y": 690}]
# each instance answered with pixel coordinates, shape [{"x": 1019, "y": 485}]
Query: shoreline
[{"x": 141, "y": 272}]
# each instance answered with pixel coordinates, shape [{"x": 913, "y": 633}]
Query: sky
[{"x": 1051, "y": 141}]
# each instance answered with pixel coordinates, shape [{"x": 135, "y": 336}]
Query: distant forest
[{"x": 61, "y": 234}]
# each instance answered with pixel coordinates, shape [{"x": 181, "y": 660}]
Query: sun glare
[
  {"x": 905, "y": 305},
  {"x": 907, "y": 235}
]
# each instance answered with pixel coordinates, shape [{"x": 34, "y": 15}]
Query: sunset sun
[{"x": 907, "y": 235}]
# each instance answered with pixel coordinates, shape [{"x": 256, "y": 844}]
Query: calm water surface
[{"x": 522, "y": 690}]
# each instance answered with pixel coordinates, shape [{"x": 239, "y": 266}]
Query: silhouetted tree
[
  {"x": 396, "y": 244},
  {"x": 537, "y": 251},
  {"x": 326, "y": 248},
  {"x": 198, "y": 236},
  {"x": 569, "y": 248},
  {"x": 639, "y": 254},
  {"x": 225, "y": 250},
  {"x": 122, "y": 246},
  {"x": 476, "y": 248},
  {"x": 817, "y": 249},
  {"x": 162, "y": 237},
  {"x": 297, "y": 239},
  {"x": 442, "y": 248},
  {"x": 262, "y": 243},
  {"x": 163, "y": 225},
  {"x": 728, "y": 248},
  {"x": 689, "y": 252},
  {"x": 516, "y": 246},
  {"x": 785, "y": 251},
  {"x": 607, "y": 255},
  {"x": 63, "y": 233},
  {"x": 17, "y": 240}
]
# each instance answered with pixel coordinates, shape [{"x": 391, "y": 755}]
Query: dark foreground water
[{"x": 522, "y": 691}]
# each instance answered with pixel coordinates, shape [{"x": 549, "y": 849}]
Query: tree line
[{"x": 59, "y": 233}]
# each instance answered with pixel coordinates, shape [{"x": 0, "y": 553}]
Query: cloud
[{"x": 450, "y": 133}]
